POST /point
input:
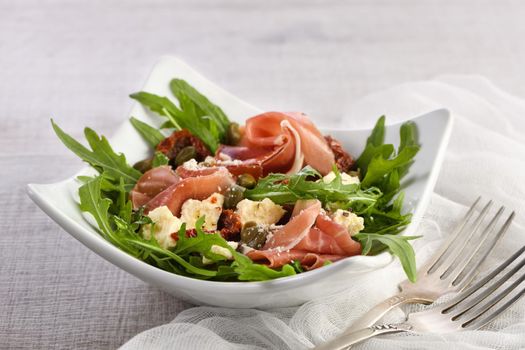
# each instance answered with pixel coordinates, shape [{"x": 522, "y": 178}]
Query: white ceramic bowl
[{"x": 58, "y": 201}]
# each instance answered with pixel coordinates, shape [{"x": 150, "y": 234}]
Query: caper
[
  {"x": 185, "y": 154},
  {"x": 232, "y": 196},
  {"x": 143, "y": 165},
  {"x": 233, "y": 134},
  {"x": 253, "y": 235},
  {"x": 246, "y": 181}
]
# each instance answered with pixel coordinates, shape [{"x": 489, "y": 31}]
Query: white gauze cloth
[{"x": 486, "y": 156}]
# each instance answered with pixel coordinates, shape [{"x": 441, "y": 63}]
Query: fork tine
[
  {"x": 470, "y": 304},
  {"x": 431, "y": 264},
  {"x": 460, "y": 247},
  {"x": 447, "y": 307},
  {"x": 462, "y": 260},
  {"x": 480, "y": 322},
  {"x": 479, "y": 315},
  {"x": 467, "y": 274}
]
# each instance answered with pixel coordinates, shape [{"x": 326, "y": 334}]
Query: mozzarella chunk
[
  {"x": 352, "y": 222},
  {"x": 164, "y": 225},
  {"x": 264, "y": 212},
  {"x": 210, "y": 208},
  {"x": 345, "y": 178}
]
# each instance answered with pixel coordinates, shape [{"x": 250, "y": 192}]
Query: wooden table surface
[{"x": 77, "y": 62}]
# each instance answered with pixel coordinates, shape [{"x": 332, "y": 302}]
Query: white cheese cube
[
  {"x": 352, "y": 222},
  {"x": 164, "y": 225},
  {"x": 345, "y": 178},
  {"x": 263, "y": 212},
  {"x": 210, "y": 208}
]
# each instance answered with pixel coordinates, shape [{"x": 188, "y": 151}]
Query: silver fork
[
  {"x": 450, "y": 269},
  {"x": 466, "y": 311}
]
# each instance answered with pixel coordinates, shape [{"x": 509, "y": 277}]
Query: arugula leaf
[
  {"x": 101, "y": 157},
  {"x": 159, "y": 159},
  {"x": 152, "y": 136},
  {"x": 287, "y": 189},
  {"x": 383, "y": 168},
  {"x": 374, "y": 145},
  {"x": 397, "y": 245},
  {"x": 185, "y": 118},
  {"x": 92, "y": 202},
  {"x": 408, "y": 138},
  {"x": 195, "y": 113},
  {"x": 379, "y": 166},
  {"x": 378, "y": 160},
  {"x": 182, "y": 88},
  {"x": 200, "y": 243},
  {"x": 171, "y": 255},
  {"x": 161, "y": 105}
]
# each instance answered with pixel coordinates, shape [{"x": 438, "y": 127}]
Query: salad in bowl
[{"x": 237, "y": 202}]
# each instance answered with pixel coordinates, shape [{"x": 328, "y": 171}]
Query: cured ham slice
[
  {"x": 308, "y": 260},
  {"x": 313, "y": 261},
  {"x": 310, "y": 237},
  {"x": 252, "y": 168},
  {"x": 199, "y": 187},
  {"x": 297, "y": 228},
  {"x": 282, "y": 142},
  {"x": 339, "y": 234},
  {"x": 152, "y": 183},
  {"x": 320, "y": 242}
]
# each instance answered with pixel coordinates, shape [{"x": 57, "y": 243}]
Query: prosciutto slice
[
  {"x": 252, "y": 168},
  {"x": 152, "y": 183},
  {"x": 308, "y": 260},
  {"x": 199, "y": 187},
  {"x": 282, "y": 142},
  {"x": 310, "y": 237},
  {"x": 303, "y": 217}
]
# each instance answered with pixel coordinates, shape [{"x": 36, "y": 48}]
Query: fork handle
[
  {"x": 347, "y": 339},
  {"x": 378, "y": 311}
]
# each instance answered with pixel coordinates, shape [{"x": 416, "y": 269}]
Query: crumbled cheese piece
[
  {"x": 209, "y": 161},
  {"x": 164, "y": 225},
  {"x": 210, "y": 208},
  {"x": 191, "y": 165},
  {"x": 233, "y": 244},
  {"x": 352, "y": 222},
  {"x": 220, "y": 251},
  {"x": 264, "y": 212},
  {"x": 230, "y": 162},
  {"x": 217, "y": 249},
  {"x": 345, "y": 178},
  {"x": 245, "y": 249}
]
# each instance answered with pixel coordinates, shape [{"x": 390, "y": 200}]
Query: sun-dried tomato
[
  {"x": 180, "y": 139},
  {"x": 343, "y": 160},
  {"x": 230, "y": 225}
]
